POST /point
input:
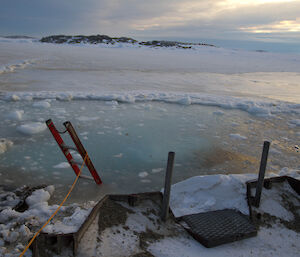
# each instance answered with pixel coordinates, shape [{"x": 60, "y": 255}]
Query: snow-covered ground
[
  {"x": 18, "y": 227},
  {"x": 131, "y": 105},
  {"x": 197, "y": 194}
]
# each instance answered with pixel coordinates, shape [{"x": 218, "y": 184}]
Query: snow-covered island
[
  {"x": 131, "y": 104},
  {"x": 104, "y": 39}
]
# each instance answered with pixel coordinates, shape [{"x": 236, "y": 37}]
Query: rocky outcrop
[
  {"x": 157, "y": 43},
  {"x": 103, "y": 39},
  {"x": 93, "y": 39}
]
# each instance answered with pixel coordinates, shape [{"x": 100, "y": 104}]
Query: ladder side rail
[
  {"x": 82, "y": 151},
  {"x": 61, "y": 144}
]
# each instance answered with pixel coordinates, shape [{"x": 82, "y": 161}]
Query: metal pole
[
  {"x": 261, "y": 175},
  {"x": 167, "y": 188}
]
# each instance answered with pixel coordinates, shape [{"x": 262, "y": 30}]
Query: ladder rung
[
  {"x": 75, "y": 162},
  {"x": 86, "y": 177},
  {"x": 69, "y": 147}
]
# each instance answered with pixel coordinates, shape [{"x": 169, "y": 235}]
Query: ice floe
[
  {"x": 4, "y": 145},
  {"x": 42, "y": 104},
  {"x": 62, "y": 165},
  {"x": 15, "y": 115},
  {"x": 237, "y": 136},
  {"x": 143, "y": 174},
  {"x": 32, "y": 128},
  {"x": 15, "y": 66}
]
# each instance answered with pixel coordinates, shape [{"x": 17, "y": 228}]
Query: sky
[{"x": 252, "y": 20}]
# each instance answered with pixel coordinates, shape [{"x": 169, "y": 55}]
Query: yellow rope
[{"x": 37, "y": 233}]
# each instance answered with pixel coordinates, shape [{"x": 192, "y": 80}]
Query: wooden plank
[{"x": 88, "y": 221}]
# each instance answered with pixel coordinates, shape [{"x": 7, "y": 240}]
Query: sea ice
[
  {"x": 82, "y": 118},
  {"x": 185, "y": 101},
  {"x": 143, "y": 174},
  {"x": 15, "y": 98},
  {"x": 112, "y": 103},
  {"x": 237, "y": 136},
  {"x": 219, "y": 113},
  {"x": 145, "y": 180},
  {"x": 32, "y": 128},
  {"x": 295, "y": 122},
  {"x": 62, "y": 165},
  {"x": 4, "y": 145},
  {"x": 42, "y": 104},
  {"x": 64, "y": 96},
  {"x": 170, "y": 100},
  {"x": 157, "y": 170},
  {"x": 37, "y": 197},
  {"x": 15, "y": 115}
]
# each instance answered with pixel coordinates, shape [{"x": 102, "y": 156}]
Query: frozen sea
[{"x": 131, "y": 105}]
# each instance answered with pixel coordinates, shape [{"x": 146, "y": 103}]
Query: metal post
[
  {"x": 261, "y": 175},
  {"x": 167, "y": 188}
]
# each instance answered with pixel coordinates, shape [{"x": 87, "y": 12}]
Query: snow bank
[
  {"x": 16, "y": 228},
  {"x": 12, "y": 67},
  {"x": 32, "y": 128},
  {"x": 257, "y": 107},
  {"x": 271, "y": 202},
  {"x": 69, "y": 224},
  {"x": 4, "y": 145},
  {"x": 276, "y": 241},
  {"x": 217, "y": 192},
  {"x": 210, "y": 193},
  {"x": 38, "y": 197}
]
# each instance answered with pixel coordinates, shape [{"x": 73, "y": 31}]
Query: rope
[
  {"x": 62, "y": 132},
  {"x": 37, "y": 233}
]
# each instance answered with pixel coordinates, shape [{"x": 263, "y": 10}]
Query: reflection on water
[{"x": 230, "y": 162}]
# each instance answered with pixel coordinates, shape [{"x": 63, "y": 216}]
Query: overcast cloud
[{"x": 230, "y": 19}]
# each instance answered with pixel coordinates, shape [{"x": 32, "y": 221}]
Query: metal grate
[{"x": 219, "y": 227}]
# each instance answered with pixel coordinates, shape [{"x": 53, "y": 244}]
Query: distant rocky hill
[
  {"x": 94, "y": 39},
  {"x": 104, "y": 39}
]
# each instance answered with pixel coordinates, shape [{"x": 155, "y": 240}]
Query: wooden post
[
  {"x": 261, "y": 175},
  {"x": 167, "y": 188}
]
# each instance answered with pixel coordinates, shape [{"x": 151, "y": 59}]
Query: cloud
[
  {"x": 177, "y": 18},
  {"x": 43, "y": 16},
  {"x": 215, "y": 19},
  {"x": 275, "y": 27}
]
